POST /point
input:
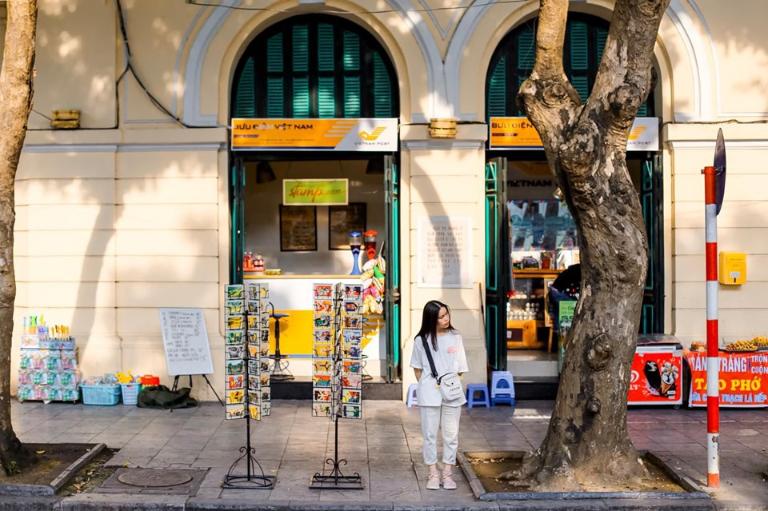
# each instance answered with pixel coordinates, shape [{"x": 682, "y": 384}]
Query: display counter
[
  {"x": 529, "y": 324},
  {"x": 743, "y": 379},
  {"x": 292, "y": 295}
]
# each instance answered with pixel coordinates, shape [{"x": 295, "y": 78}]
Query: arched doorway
[
  {"x": 536, "y": 235},
  {"x": 320, "y": 96}
]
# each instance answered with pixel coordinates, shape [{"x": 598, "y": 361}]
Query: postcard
[
  {"x": 234, "y": 308},
  {"x": 266, "y": 393},
  {"x": 351, "y": 411},
  {"x": 234, "y": 352},
  {"x": 321, "y": 409},
  {"x": 253, "y": 351},
  {"x": 353, "y": 321},
  {"x": 322, "y": 290},
  {"x": 234, "y": 397},
  {"x": 322, "y": 380},
  {"x": 235, "y": 366},
  {"x": 264, "y": 349},
  {"x": 323, "y": 307},
  {"x": 254, "y": 411},
  {"x": 350, "y": 396},
  {"x": 253, "y": 322},
  {"x": 352, "y": 381},
  {"x": 324, "y": 395},
  {"x": 264, "y": 292},
  {"x": 352, "y": 367},
  {"x": 264, "y": 365},
  {"x": 352, "y": 335},
  {"x": 264, "y": 379},
  {"x": 235, "y": 412},
  {"x": 252, "y": 292},
  {"x": 352, "y": 307},
  {"x": 322, "y": 366},
  {"x": 235, "y": 337},
  {"x": 264, "y": 335},
  {"x": 323, "y": 321},
  {"x": 266, "y": 409},
  {"x": 235, "y": 292},
  {"x": 254, "y": 382},
  {"x": 235, "y": 323},
  {"x": 254, "y": 366},
  {"x": 235, "y": 381},
  {"x": 253, "y": 307},
  {"x": 254, "y": 396},
  {"x": 322, "y": 335},
  {"x": 323, "y": 349},
  {"x": 352, "y": 292}
]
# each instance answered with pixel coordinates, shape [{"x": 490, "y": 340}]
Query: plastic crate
[
  {"x": 130, "y": 393},
  {"x": 104, "y": 395}
]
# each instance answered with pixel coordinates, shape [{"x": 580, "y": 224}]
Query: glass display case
[{"x": 529, "y": 324}]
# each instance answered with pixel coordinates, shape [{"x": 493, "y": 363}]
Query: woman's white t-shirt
[{"x": 449, "y": 358}]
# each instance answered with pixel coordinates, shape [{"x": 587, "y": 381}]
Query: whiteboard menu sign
[
  {"x": 444, "y": 252},
  {"x": 185, "y": 339}
]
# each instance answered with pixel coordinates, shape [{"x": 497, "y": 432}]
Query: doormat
[{"x": 154, "y": 481}]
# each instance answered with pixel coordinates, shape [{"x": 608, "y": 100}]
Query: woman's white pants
[{"x": 445, "y": 418}]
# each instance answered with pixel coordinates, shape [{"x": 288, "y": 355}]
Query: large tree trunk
[
  {"x": 585, "y": 144},
  {"x": 15, "y": 103}
]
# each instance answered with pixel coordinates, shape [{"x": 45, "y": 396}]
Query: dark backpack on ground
[{"x": 161, "y": 396}]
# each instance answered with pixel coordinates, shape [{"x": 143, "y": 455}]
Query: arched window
[
  {"x": 314, "y": 66},
  {"x": 512, "y": 62}
]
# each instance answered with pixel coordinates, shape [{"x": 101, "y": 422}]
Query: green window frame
[
  {"x": 513, "y": 59},
  {"x": 314, "y": 66}
]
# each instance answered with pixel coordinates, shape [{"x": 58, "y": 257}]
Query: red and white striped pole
[{"x": 713, "y": 352}]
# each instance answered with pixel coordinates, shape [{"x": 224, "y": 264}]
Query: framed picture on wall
[
  {"x": 342, "y": 220},
  {"x": 298, "y": 228}
]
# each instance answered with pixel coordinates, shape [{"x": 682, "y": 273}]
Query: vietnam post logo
[{"x": 373, "y": 135}]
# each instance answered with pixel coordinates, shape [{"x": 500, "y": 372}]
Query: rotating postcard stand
[
  {"x": 247, "y": 383},
  {"x": 336, "y": 378}
]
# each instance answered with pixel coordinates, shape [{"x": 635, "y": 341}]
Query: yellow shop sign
[
  {"x": 518, "y": 134},
  {"x": 314, "y": 134},
  {"x": 315, "y": 192}
]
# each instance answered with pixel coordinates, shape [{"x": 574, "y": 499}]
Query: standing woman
[{"x": 447, "y": 350}]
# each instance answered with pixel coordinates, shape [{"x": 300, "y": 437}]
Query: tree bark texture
[
  {"x": 585, "y": 144},
  {"x": 15, "y": 104}
]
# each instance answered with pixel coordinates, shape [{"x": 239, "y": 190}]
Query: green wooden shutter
[
  {"x": 300, "y": 47},
  {"x": 497, "y": 90},
  {"x": 326, "y": 97},
  {"x": 300, "y": 98},
  {"x": 579, "y": 46},
  {"x": 581, "y": 84},
  {"x": 526, "y": 49},
  {"x": 245, "y": 98},
  {"x": 602, "y": 36},
  {"x": 275, "y": 85},
  {"x": 325, "y": 60},
  {"x": 275, "y": 54},
  {"x": 352, "y": 96},
  {"x": 351, "y": 51},
  {"x": 275, "y": 97},
  {"x": 382, "y": 88}
]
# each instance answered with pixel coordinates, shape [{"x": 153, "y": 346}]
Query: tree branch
[
  {"x": 547, "y": 97},
  {"x": 624, "y": 79}
]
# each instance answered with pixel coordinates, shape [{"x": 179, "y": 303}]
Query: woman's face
[{"x": 443, "y": 318}]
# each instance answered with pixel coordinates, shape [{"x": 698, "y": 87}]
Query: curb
[{"x": 50, "y": 489}]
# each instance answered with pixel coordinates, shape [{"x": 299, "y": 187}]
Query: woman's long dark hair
[{"x": 429, "y": 317}]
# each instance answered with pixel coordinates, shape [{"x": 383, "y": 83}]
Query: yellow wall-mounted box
[{"x": 733, "y": 268}]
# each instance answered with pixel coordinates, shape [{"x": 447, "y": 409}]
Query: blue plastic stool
[
  {"x": 502, "y": 388},
  {"x": 412, "y": 399},
  {"x": 474, "y": 388}
]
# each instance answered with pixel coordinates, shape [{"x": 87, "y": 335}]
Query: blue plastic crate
[{"x": 104, "y": 395}]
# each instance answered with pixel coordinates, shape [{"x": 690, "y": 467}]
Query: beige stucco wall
[{"x": 132, "y": 214}]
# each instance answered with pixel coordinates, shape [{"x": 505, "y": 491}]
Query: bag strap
[{"x": 428, "y": 351}]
